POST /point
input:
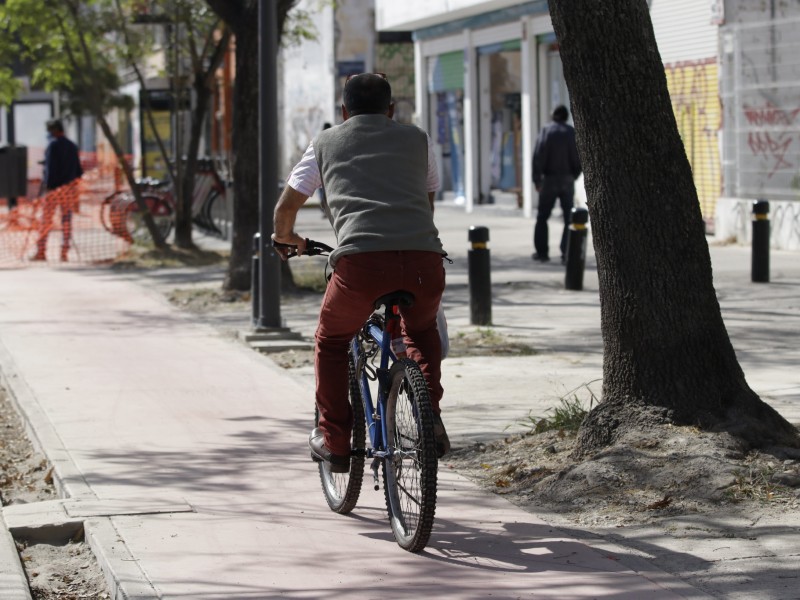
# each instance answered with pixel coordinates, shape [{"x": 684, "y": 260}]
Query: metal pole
[
  {"x": 269, "y": 263},
  {"x": 576, "y": 249},
  {"x": 11, "y": 139},
  {"x": 760, "y": 256},
  {"x": 177, "y": 116},
  {"x": 480, "y": 277},
  {"x": 254, "y": 278}
]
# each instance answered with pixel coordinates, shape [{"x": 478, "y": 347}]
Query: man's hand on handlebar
[
  {"x": 308, "y": 247},
  {"x": 288, "y": 246}
]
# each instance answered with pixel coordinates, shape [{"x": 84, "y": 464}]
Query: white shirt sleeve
[
  {"x": 433, "y": 171},
  {"x": 305, "y": 177}
]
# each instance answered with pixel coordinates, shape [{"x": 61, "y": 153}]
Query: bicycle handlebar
[{"x": 313, "y": 248}]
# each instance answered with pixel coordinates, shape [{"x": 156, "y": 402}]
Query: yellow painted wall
[{"x": 694, "y": 90}]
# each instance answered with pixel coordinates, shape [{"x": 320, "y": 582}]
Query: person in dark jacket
[
  {"x": 62, "y": 171},
  {"x": 556, "y": 166}
]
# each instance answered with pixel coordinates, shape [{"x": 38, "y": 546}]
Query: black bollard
[
  {"x": 576, "y": 249},
  {"x": 760, "y": 258},
  {"x": 254, "y": 276},
  {"x": 480, "y": 279}
]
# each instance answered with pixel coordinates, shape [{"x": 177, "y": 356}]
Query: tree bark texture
[
  {"x": 667, "y": 354},
  {"x": 242, "y": 17},
  {"x": 245, "y": 145}
]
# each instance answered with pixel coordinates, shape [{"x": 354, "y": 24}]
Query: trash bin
[{"x": 13, "y": 171}]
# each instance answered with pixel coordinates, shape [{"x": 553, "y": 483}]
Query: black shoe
[
  {"x": 337, "y": 463},
  {"x": 440, "y": 435},
  {"x": 538, "y": 257}
]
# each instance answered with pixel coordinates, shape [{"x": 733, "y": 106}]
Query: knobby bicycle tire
[
  {"x": 342, "y": 489},
  {"x": 410, "y": 476}
]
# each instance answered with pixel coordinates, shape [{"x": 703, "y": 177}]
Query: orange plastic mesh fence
[{"x": 86, "y": 221}]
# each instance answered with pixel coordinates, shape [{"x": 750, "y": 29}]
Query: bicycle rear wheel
[
  {"x": 342, "y": 489},
  {"x": 161, "y": 212},
  {"x": 410, "y": 474}
]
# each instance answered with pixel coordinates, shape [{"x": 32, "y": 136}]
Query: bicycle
[
  {"x": 121, "y": 216},
  {"x": 390, "y": 401}
]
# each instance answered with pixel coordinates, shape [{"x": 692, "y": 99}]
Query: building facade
[
  {"x": 488, "y": 74},
  {"x": 760, "y": 90}
]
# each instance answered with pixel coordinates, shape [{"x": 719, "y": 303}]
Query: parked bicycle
[
  {"x": 121, "y": 215},
  {"x": 390, "y": 403}
]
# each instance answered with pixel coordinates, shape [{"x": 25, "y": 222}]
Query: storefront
[{"x": 484, "y": 88}]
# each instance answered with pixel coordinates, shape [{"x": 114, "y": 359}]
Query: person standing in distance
[
  {"x": 380, "y": 179},
  {"x": 556, "y": 166},
  {"x": 62, "y": 171}
]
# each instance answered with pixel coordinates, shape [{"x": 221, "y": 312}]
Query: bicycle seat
[{"x": 400, "y": 298}]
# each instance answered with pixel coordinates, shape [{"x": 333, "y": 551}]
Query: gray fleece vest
[{"x": 374, "y": 172}]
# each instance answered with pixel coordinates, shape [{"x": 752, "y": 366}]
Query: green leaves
[{"x": 72, "y": 46}]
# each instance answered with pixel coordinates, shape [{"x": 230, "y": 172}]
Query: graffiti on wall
[
  {"x": 694, "y": 93},
  {"x": 762, "y": 111},
  {"x": 774, "y": 135}
]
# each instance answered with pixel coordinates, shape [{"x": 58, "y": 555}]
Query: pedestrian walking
[
  {"x": 62, "y": 171},
  {"x": 556, "y": 166}
]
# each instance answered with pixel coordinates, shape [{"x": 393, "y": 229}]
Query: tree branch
[
  {"x": 145, "y": 97},
  {"x": 215, "y": 59},
  {"x": 112, "y": 139}
]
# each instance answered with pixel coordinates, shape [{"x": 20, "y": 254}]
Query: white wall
[
  {"x": 683, "y": 29},
  {"x": 307, "y": 87},
  {"x": 396, "y": 15}
]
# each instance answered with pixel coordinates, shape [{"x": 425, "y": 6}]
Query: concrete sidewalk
[{"x": 184, "y": 452}]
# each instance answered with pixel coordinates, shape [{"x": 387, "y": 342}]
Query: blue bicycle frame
[
  {"x": 375, "y": 420},
  {"x": 375, "y": 409}
]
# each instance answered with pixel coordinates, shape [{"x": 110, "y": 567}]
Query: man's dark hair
[
  {"x": 55, "y": 125},
  {"x": 367, "y": 94},
  {"x": 560, "y": 114}
]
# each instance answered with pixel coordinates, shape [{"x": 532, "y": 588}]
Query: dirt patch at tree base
[
  {"x": 644, "y": 477},
  {"x": 665, "y": 481},
  {"x": 144, "y": 256}
]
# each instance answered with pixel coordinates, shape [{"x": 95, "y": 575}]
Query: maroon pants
[{"x": 359, "y": 279}]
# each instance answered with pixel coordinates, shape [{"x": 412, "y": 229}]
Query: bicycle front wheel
[
  {"x": 342, "y": 489},
  {"x": 410, "y": 471}
]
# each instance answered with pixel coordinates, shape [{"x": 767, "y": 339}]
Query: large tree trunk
[
  {"x": 242, "y": 17},
  {"x": 245, "y": 143},
  {"x": 667, "y": 355}
]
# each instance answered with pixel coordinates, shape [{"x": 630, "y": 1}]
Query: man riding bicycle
[{"x": 380, "y": 178}]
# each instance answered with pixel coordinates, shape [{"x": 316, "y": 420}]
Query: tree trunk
[
  {"x": 667, "y": 355},
  {"x": 245, "y": 143},
  {"x": 242, "y": 17},
  {"x": 183, "y": 225},
  {"x": 147, "y": 217}
]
